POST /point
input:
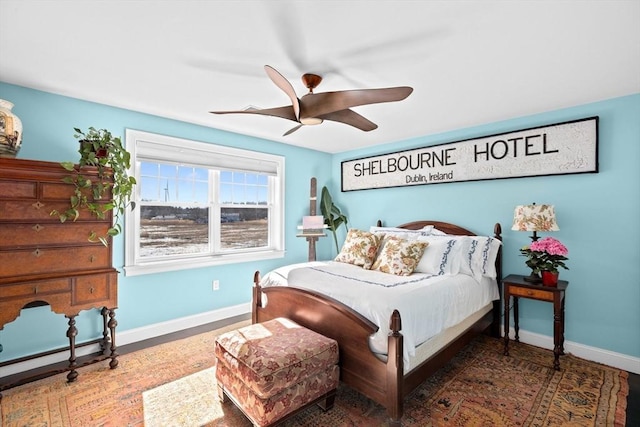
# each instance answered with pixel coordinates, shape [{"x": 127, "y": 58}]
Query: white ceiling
[{"x": 469, "y": 62}]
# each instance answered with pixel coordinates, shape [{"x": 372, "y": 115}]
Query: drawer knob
[
  {"x": 37, "y": 227},
  {"x": 92, "y": 258},
  {"x": 91, "y": 290},
  {"x": 529, "y": 293},
  {"x": 38, "y": 205},
  {"x": 37, "y": 253},
  {"x": 35, "y": 289}
]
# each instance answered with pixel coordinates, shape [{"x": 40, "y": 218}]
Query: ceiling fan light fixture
[
  {"x": 314, "y": 108},
  {"x": 311, "y": 121}
]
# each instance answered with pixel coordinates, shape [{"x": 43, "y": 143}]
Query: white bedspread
[{"x": 428, "y": 304}]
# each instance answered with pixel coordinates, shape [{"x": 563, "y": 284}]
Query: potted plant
[
  {"x": 545, "y": 257},
  {"x": 99, "y": 149},
  {"x": 333, "y": 217}
]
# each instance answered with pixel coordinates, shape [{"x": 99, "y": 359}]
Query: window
[{"x": 200, "y": 204}]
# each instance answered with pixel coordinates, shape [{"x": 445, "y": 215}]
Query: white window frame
[{"x": 145, "y": 146}]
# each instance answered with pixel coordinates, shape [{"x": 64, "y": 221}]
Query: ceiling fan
[{"x": 314, "y": 108}]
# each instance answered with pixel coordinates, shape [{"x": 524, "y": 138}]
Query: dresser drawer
[
  {"x": 87, "y": 289},
  {"x": 38, "y": 210},
  {"x": 10, "y": 189},
  {"x": 18, "y": 235},
  {"x": 531, "y": 293},
  {"x": 23, "y": 262},
  {"x": 35, "y": 288}
]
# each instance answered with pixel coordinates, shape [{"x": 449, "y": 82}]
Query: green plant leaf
[
  {"x": 69, "y": 166},
  {"x": 333, "y": 217},
  {"x": 112, "y": 184}
]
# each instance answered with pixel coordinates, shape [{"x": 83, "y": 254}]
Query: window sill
[{"x": 165, "y": 266}]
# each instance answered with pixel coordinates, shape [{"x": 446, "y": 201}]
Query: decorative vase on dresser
[
  {"x": 46, "y": 262},
  {"x": 10, "y": 130}
]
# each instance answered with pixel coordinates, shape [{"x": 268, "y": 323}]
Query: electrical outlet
[{"x": 216, "y": 285}]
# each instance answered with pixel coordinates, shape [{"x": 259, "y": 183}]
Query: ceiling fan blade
[
  {"x": 286, "y": 87},
  {"x": 292, "y": 130},
  {"x": 351, "y": 118},
  {"x": 282, "y": 112},
  {"x": 319, "y": 104},
  {"x": 285, "y": 20}
]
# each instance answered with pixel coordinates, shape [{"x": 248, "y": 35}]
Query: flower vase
[
  {"x": 549, "y": 278},
  {"x": 10, "y": 130}
]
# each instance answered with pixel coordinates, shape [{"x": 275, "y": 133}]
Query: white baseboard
[
  {"x": 594, "y": 354},
  {"x": 132, "y": 336}
]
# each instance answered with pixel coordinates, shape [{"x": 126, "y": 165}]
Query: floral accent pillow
[
  {"x": 399, "y": 256},
  {"x": 359, "y": 248}
]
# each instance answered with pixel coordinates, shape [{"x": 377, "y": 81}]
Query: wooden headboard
[
  {"x": 446, "y": 227},
  {"x": 456, "y": 230}
]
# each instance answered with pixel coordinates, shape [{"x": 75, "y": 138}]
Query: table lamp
[{"x": 534, "y": 218}]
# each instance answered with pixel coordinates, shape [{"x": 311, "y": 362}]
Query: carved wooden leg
[
  {"x": 104, "y": 343},
  {"x": 112, "y": 327},
  {"x": 395, "y": 370},
  {"x": 506, "y": 326},
  {"x": 557, "y": 332},
  {"x": 516, "y": 318},
  {"x": 562, "y": 329},
  {"x": 72, "y": 332}
]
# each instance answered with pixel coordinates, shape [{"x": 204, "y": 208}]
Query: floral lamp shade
[{"x": 534, "y": 218}]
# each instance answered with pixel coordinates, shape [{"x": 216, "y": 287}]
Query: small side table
[{"x": 515, "y": 286}]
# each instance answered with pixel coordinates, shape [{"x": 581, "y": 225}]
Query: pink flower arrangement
[
  {"x": 550, "y": 246},
  {"x": 546, "y": 254}
]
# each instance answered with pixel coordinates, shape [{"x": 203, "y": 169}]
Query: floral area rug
[{"x": 174, "y": 385}]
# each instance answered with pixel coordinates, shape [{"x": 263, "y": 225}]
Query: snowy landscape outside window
[{"x": 201, "y": 204}]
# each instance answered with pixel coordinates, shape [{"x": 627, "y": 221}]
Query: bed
[{"x": 384, "y": 375}]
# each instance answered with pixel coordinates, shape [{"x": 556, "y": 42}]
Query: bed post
[
  {"x": 256, "y": 303},
  {"x": 395, "y": 370},
  {"x": 495, "y": 325}
]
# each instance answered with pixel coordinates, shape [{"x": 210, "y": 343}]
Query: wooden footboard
[
  {"x": 359, "y": 367},
  {"x": 382, "y": 381}
]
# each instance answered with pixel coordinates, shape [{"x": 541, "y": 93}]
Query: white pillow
[
  {"x": 442, "y": 256},
  {"x": 479, "y": 256},
  {"x": 401, "y": 232},
  {"x": 436, "y": 232}
]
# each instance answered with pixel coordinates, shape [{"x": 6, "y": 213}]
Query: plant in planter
[
  {"x": 99, "y": 149},
  {"x": 546, "y": 255},
  {"x": 333, "y": 217}
]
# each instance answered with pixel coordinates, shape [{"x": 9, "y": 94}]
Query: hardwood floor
[{"x": 633, "y": 400}]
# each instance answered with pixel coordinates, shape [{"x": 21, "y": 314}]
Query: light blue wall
[
  {"x": 48, "y": 122},
  {"x": 598, "y": 215}
]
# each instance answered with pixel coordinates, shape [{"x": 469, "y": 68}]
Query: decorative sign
[{"x": 558, "y": 149}]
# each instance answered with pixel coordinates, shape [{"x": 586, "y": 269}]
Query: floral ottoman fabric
[
  {"x": 273, "y": 368},
  {"x": 264, "y": 412}
]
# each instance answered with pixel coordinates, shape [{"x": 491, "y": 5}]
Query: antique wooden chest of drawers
[{"x": 44, "y": 261}]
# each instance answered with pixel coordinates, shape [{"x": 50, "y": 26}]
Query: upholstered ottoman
[{"x": 272, "y": 369}]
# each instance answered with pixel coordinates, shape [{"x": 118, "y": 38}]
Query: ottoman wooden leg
[
  {"x": 327, "y": 403},
  {"x": 221, "y": 393}
]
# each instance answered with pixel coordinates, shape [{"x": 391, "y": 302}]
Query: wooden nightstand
[{"x": 515, "y": 286}]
